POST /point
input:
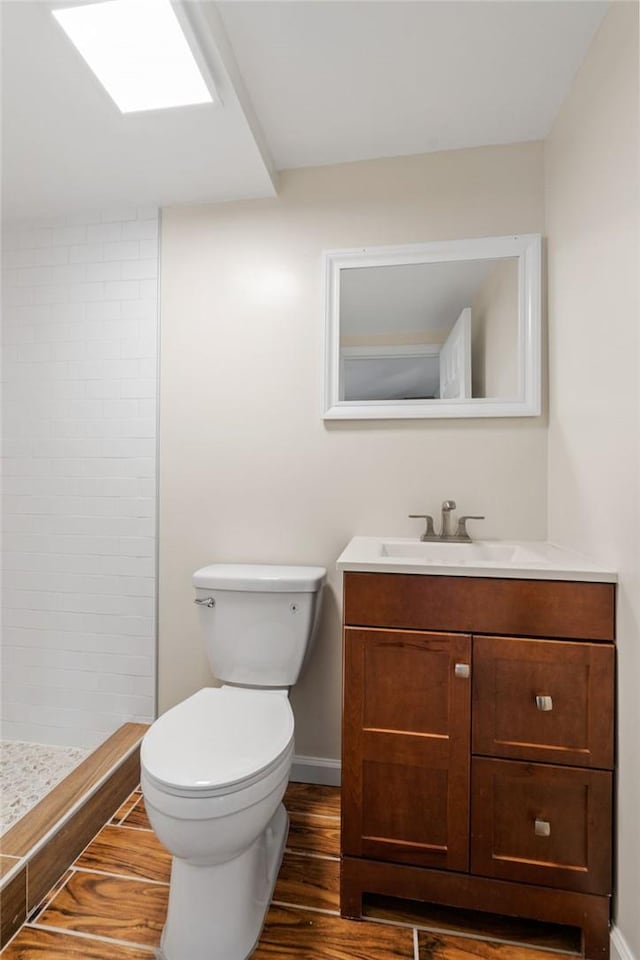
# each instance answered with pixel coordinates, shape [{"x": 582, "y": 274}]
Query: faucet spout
[{"x": 448, "y": 506}]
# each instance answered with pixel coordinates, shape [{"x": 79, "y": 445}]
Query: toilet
[{"x": 215, "y": 767}]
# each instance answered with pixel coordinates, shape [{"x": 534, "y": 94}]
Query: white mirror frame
[{"x": 526, "y": 247}]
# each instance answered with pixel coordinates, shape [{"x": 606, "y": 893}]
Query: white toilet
[{"x": 216, "y": 766}]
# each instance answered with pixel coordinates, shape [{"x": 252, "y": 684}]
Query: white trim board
[
  {"x": 321, "y": 770},
  {"x": 620, "y": 949}
]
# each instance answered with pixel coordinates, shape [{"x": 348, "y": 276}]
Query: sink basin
[
  {"x": 536, "y": 559},
  {"x": 480, "y": 551}
]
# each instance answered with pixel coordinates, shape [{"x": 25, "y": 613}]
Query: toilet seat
[{"x": 218, "y": 741}]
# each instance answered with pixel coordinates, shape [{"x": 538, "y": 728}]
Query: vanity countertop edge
[{"x": 363, "y": 555}]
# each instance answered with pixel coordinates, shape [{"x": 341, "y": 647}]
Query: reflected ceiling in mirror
[{"x": 434, "y": 330}]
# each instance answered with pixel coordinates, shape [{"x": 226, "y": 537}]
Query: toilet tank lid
[{"x": 261, "y": 577}]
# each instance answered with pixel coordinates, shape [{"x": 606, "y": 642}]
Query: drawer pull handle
[
  {"x": 543, "y": 828},
  {"x": 544, "y": 703},
  {"x": 462, "y": 670}
]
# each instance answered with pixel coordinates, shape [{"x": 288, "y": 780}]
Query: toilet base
[{"x": 217, "y": 912}]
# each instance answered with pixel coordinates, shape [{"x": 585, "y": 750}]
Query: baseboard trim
[
  {"x": 620, "y": 949},
  {"x": 321, "y": 770}
]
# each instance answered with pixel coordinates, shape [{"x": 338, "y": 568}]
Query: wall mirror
[{"x": 449, "y": 329}]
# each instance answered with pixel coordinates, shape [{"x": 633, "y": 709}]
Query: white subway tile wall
[{"x": 79, "y": 371}]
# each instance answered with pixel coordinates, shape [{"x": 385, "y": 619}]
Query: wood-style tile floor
[{"x": 111, "y": 904}]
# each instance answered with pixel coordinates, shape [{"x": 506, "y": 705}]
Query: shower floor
[{"x": 28, "y": 771}]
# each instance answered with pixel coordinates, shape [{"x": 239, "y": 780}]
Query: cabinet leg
[
  {"x": 595, "y": 933},
  {"x": 350, "y": 898}
]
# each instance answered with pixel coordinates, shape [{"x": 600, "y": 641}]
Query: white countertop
[{"x": 531, "y": 560}]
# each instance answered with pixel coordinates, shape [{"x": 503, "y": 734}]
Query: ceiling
[{"x": 301, "y": 83}]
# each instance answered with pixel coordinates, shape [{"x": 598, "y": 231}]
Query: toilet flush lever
[{"x": 207, "y": 602}]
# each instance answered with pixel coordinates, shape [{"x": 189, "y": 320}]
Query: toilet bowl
[
  {"x": 214, "y": 771},
  {"x": 215, "y": 767}
]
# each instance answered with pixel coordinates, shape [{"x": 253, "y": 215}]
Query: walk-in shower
[{"x": 79, "y": 371}]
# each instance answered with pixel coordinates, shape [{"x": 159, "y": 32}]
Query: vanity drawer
[
  {"x": 541, "y": 824},
  {"x": 543, "y": 700},
  {"x": 534, "y": 608}
]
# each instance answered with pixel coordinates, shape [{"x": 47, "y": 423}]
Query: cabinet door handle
[
  {"x": 542, "y": 828},
  {"x": 544, "y": 703},
  {"x": 462, "y": 670}
]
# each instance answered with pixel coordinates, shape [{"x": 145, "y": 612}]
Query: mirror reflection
[{"x": 429, "y": 331}]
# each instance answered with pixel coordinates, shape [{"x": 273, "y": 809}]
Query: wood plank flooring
[
  {"x": 137, "y": 816},
  {"x": 295, "y": 932},
  {"x": 113, "y": 907},
  {"x": 127, "y": 853},
  {"x": 112, "y": 902}
]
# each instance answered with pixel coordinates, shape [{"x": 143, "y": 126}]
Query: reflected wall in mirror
[{"x": 434, "y": 330}]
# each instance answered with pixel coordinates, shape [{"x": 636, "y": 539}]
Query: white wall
[
  {"x": 594, "y": 327},
  {"x": 248, "y": 468},
  {"x": 79, "y": 409}
]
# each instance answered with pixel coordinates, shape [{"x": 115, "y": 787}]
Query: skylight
[{"x": 138, "y": 52}]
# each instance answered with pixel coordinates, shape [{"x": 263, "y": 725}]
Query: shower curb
[{"x": 51, "y": 835}]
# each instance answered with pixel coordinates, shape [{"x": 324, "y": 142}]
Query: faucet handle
[
  {"x": 448, "y": 505},
  {"x": 461, "y": 531},
  {"x": 429, "y": 533}
]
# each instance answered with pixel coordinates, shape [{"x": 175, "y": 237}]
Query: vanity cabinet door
[
  {"x": 543, "y": 700},
  {"x": 542, "y": 824},
  {"x": 406, "y": 740}
]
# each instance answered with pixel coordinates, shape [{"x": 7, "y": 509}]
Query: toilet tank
[{"x": 258, "y": 620}]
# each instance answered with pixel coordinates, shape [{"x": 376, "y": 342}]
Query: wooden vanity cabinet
[{"x": 478, "y": 749}]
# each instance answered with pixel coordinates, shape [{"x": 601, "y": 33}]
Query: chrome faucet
[
  {"x": 448, "y": 506},
  {"x": 461, "y": 534}
]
